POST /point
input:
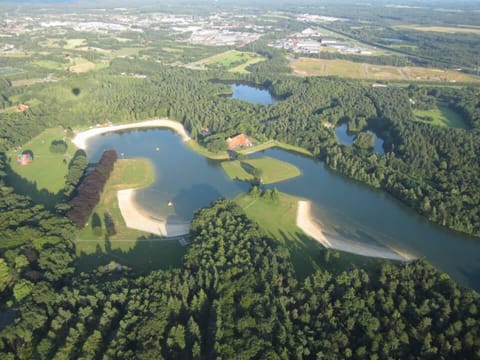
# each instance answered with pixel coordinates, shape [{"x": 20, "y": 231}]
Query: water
[
  {"x": 252, "y": 94},
  {"x": 345, "y": 208},
  {"x": 347, "y": 138}
]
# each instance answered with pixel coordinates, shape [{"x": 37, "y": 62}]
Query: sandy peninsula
[
  {"x": 307, "y": 224},
  {"x": 81, "y": 138},
  {"x": 137, "y": 219}
]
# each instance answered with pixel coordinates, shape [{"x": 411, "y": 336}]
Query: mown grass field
[
  {"x": 232, "y": 60},
  {"x": 442, "y": 115},
  {"x": 47, "y": 170},
  {"x": 51, "y": 65},
  {"x": 272, "y": 170},
  {"x": 350, "y": 69}
]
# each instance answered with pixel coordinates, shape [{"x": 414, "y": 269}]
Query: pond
[
  {"x": 346, "y": 209},
  {"x": 252, "y": 94},
  {"x": 346, "y": 137}
]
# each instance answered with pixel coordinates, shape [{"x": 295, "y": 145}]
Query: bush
[{"x": 58, "y": 147}]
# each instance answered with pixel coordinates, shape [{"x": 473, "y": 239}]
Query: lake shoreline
[
  {"x": 81, "y": 138},
  {"x": 137, "y": 219},
  {"x": 307, "y": 224}
]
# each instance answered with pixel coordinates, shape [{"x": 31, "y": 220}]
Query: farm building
[
  {"x": 237, "y": 141},
  {"x": 25, "y": 158}
]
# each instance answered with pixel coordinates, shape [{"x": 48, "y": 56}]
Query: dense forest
[{"x": 237, "y": 297}]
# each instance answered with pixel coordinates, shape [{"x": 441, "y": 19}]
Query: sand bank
[
  {"x": 307, "y": 224},
  {"x": 81, "y": 138},
  {"x": 137, "y": 219}
]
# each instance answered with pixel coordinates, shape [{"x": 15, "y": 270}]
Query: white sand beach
[
  {"x": 307, "y": 224},
  {"x": 139, "y": 220},
  {"x": 81, "y": 138}
]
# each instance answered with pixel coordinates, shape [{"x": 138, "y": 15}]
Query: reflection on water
[
  {"x": 252, "y": 94},
  {"x": 346, "y": 137},
  {"x": 346, "y": 209}
]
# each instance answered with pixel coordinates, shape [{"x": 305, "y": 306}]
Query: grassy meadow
[
  {"x": 272, "y": 170},
  {"x": 232, "y": 60},
  {"x": 48, "y": 169},
  {"x": 441, "y": 115}
]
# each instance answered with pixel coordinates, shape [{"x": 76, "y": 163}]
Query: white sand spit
[
  {"x": 81, "y": 138},
  {"x": 136, "y": 219},
  {"x": 306, "y": 223}
]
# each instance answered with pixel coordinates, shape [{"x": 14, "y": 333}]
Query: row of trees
[{"x": 90, "y": 189}]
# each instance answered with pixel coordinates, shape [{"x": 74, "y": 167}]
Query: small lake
[
  {"x": 252, "y": 94},
  {"x": 346, "y": 137},
  {"x": 346, "y": 209}
]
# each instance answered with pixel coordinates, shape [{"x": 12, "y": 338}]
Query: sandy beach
[
  {"x": 307, "y": 224},
  {"x": 81, "y": 138},
  {"x": 139, "y": 220}
]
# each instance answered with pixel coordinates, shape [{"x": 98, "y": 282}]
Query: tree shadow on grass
[
  {"x": 28, "y": 188},
  {"x": 147, "y": 254}
]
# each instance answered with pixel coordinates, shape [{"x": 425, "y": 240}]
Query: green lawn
[
  {"x": 272, "y": 170},
  {"x": 278, "y": 219},
  {"x": 128, "y": 173},
  {"x": 195, "y": 146},
  {"x": 49, "y": 64},
  {"x": 442, "y": 115},
  {"x": 47, "y": 170}
]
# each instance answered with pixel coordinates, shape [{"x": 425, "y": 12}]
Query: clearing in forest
[
  {"x": 350, "y": 69},
  {"x": 441, "y": 115}
]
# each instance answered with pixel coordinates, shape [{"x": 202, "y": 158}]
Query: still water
[
  {"x": 346, "y": 209},
  {"x": 255, "y": 95},
  {"x": 347, "y": 138}
]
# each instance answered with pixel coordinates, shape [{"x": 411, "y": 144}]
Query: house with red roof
[{"x": 240, "y": 140}]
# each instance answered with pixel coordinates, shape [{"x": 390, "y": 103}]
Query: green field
[
  {"x": 278, "y": 220},
  {"x": 47, "y": 170},
  {"x": 49, "y": 64},
  {"x": 74, "y": 43},
  {"x": 232, "y": 60},
  {"x": 271, "y": 170},
  {"x": 128, "y": 173},
  {"x": 441, "y": 115}
]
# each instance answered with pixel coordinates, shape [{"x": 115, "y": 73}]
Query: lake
[
  {"x": 345, "y": 208},
  {"x": 252, "y": 94},
  {"x": 347, "y": 138}
]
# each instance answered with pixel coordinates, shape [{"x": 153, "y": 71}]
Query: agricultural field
[
  {"x": 48, "y": 169},
  {"x": 50, "y": 64},
  {"x": 441, "y": 115},
  {"x": 269, "y": 169},
  {"x": 349, "y": 69},
  {"x": 232, "y": 60},
  {"x": 444, "y": 29}
]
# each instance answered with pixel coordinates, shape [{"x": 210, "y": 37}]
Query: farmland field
[{"x": 349, "y": 69}]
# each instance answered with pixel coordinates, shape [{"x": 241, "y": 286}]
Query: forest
[{"x": 237, "y": 297}]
